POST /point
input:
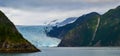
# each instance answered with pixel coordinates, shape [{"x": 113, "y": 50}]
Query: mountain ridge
[
  {"x": 101, "y": 31},
  {"x": 60, "y": 31},
  {"x": 10, "y": 39}
]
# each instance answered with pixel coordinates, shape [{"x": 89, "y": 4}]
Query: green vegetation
[
  {"x": 10, "y": 39},
  {"x": 97, "y": 30},
  {"x": 82, "y": 34}
]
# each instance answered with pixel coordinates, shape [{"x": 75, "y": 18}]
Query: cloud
[
  {"x": 23, "y": 17},
  {"x": 56, "y": 4},
  {"x": 37, "y": 12}
]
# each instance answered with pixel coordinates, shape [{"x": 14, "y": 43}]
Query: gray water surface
[{"x": 71, "y": 51}]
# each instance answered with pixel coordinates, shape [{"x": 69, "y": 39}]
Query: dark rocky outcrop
[
  {"x": 10, "y": 39},
  {"x": 98, "y": 30}
]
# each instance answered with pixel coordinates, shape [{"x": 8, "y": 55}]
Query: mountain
[
  {"x": 66, "y": 21},
  {"x": 59, "y": 32},
  {"x": 52, "y": 23},
  {"x": 10, "y": 39},
  {"x": 37, "y": 35},
  {"x": 60, "y": 23},
  {"x": 101, "y": 30}
]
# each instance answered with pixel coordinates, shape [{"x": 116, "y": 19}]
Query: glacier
[{"x": 37, "y": 35}]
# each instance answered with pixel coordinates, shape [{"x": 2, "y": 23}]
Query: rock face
[
  {"x": 10, "y": 39},
  {"x": 97, "y": 30}
]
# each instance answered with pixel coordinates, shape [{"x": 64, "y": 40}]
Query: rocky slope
[
  {"x": 10, "y": 39},
  {"x": 97, "y": 30}
]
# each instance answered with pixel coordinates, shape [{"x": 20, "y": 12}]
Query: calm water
[{"x": 62, "y": 51}]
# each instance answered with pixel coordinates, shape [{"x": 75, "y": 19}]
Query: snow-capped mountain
[
  {"x": 67, "y": 21},
  {"x": 37, "y": 35},
  {"x": 53, "y": 22},
  {"x": 62, "y": 22}
]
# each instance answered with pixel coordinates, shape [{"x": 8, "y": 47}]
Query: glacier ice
[{"x": 37, "y": 36}]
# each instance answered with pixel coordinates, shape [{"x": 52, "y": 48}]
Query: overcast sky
[{"x": 38, "y": 12}]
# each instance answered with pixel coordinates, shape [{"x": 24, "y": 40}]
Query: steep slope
[
  {"x": 108, "y": 33},
  {"x": 10, "y": 39},
  {"x": 82, "y": 34},
  {"x": 59, "y": 32},
  {"x": 102, "y": 30}
]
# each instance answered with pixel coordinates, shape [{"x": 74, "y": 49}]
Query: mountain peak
[
  {"x": 93, "y": 13},
  {"x": 10, "y": 39},
  {"x": 67, "y": 21}
]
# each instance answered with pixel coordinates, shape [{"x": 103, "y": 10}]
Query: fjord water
[{"x": 71, "y": 51}]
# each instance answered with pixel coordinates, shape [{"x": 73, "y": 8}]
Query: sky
[{"x": 40, "y": 12}]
